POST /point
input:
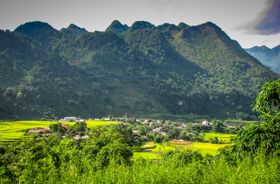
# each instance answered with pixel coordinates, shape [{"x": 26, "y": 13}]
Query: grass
[
  {"x": 221, "y": 137},
  {"x": 146, "y": 155},
  {"x": 13, "y": 130}
]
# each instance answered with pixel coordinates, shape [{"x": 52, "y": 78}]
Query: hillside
[
  {"x": 268, "y": 57},
  {"x": 140, "y": 70}
]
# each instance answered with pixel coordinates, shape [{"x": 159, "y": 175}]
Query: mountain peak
[
  {"x": 33, "y": 26},
  {"x": 183, "y": 25},
  {"x": 39, "y": 32},
  {"x": 259, "y": 48},
  {"x": 141, "y": 25},
  {"x": 267, "y": 56},
  {"x": 73, "y": 29},
  {"x": 117, "y": 27},
  {"x": 210, "y": 25},
  {"x": 73, "y": 26},
  {"x": 262, "y": 47},
  {"x": 167, "y": 27}
]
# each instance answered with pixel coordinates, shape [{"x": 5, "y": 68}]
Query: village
[{"x": 142, "y": 130}]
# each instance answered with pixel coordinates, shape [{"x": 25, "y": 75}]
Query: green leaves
[
  {"x": 40, "y": 159},
  {"x": 268, "y": 101},
  {"x": 261, "y": 138}
]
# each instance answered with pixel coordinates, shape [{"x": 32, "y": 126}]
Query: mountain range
[
  {"x": 268, "y": 57},
  {"x": 140, "y": 69}
]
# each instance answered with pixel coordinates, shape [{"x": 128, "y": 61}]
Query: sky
[{"x": 250, "y": 22}]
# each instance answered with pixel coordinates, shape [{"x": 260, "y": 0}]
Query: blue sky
[{"x": 250, "y": 22}]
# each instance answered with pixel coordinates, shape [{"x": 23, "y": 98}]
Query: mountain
[
  {"x": 40, "y": 32},
  {"x": 117, "y": 27},
  {"x": 72, "y": 29},
  {"x": 268, "y": 57},
  {"x": 140, "y": 70}
]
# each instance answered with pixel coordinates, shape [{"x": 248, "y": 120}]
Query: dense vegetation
[
  {"x": 139, "y": 70},
  {"x": 106, "y": 156}
]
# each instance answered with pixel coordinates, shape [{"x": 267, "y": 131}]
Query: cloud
[
  {"x": 270, "y": 22},
  {"x": 267, "y": 22}
]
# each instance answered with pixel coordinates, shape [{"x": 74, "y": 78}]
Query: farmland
[
  {"x": 152, "y": 150},
  {"x": 222, "y": 137},
  {"x": 13, "y": 130},
  {"x": 96, "y": 123}
]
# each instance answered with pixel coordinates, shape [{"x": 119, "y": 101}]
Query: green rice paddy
[
  {"x": 152, "y": 150},
  {"x": 221, "y": 137},
  {"x": 96, "y": 123},
  {"x": 13, "y": 130}
]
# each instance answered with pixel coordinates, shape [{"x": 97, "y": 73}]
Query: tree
[
  {"x": 57, "y": 128},
  {"x": 218, "y": 126},
  {"x": 268, "y": 101},
  {"x": 261, "y": 138}
]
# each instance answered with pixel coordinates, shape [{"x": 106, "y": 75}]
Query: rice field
[
  {"x": 96, "y": 123},
  {"x": 152, "y": 150},
  {"x": 13, "y": 130},
  {"x": 207, "y": 148},
  {"x": 221, "y": 137}
]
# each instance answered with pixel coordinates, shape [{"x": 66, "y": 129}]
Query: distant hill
[
  {"x": 268, "y": 57},
  {"x": 140, "y": 70}
]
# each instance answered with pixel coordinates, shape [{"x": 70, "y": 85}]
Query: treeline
[{"x": 107, "y": 156}]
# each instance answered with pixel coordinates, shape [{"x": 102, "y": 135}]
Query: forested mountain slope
[{"x": 142, "y": 69}]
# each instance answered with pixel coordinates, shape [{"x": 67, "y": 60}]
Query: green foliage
[
  {"x": 41, "y": 159},
  {"x": 57, "y": 128},
  {"x": 78, "y": 127},
  {"x": 268, "y": 101},
  {"x": 263, "y": 138}
]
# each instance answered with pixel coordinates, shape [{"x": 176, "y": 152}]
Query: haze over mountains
[
  {"x": 268, "y": 57},
  {"x": 140, "y": 70}
]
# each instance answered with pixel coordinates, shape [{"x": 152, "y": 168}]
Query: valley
[
  {"x": 159, "y": 104},
  {"x": 204, "y": 140}
]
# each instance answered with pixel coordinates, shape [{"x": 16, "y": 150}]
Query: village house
[
  {"x": 205, "y": 123},
  {"x": 67, "y": 119},
  {"x": 71, "y": 119},
  {"x": 147, "y": 122},
  {"x": 158, "y": 130},
  {"x": 38, "y": 131}
]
